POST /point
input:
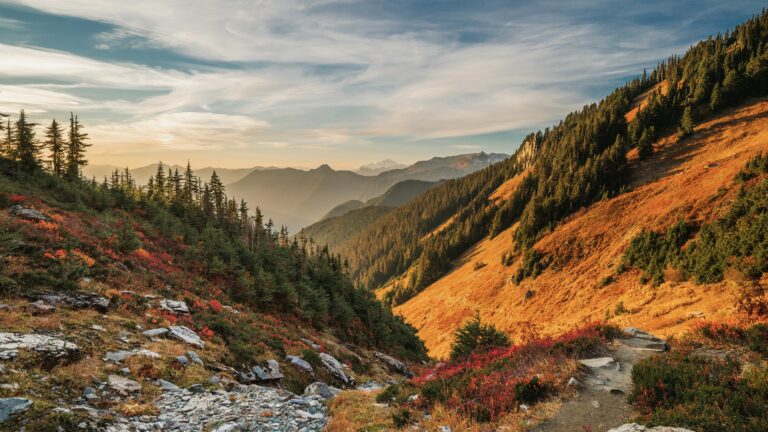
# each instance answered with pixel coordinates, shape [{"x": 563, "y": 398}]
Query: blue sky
[{"x": 299, "y": 83}]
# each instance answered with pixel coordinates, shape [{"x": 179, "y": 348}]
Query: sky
[{"x": 241, "y": 83}]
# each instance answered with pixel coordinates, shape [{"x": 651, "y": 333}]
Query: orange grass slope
[{"x": 691, "y": 179}]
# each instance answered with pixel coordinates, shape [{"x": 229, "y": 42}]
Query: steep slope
[
  {"x": 298, "y": 198},
  {"x": 691, "y": 180},
  {"x": 400, "y": 193}
]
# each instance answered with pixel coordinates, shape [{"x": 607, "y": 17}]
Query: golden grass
[
  {"x": 354, "y": 410},
  {"x": 134, "y": 409},
  {"x": 678, "y": 182}
]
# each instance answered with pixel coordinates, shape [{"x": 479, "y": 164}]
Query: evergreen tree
[
  {"x": 476, "y": 337},
  {"x": 76, "y": 147},
  {"x": 218, "y": 197},
  {"x": 686, "y": 123},
  {"x": 645, "y": 143},
  {"x": 54, "y": 142},
  {"x": 27, "y": 146},
  {"x": 8, "y": 149}
]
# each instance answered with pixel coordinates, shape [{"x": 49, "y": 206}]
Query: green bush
[{"x": 476, "y": 337}]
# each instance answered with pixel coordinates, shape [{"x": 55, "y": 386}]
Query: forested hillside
[
  {"x": 225, "y": 252},
  {"x": 575, "y": 163}
]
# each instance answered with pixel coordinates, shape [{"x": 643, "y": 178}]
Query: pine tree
[
  {"x": 686, "y": 123},
  {"x": 476, "y": 337},
  {"x": 54, "y": 142},
  {"x": 27, "y": 147},
  {"x": 159, "y": 191},
  {"x": 190, "y": 185},
  {"x": 218, "y": 197},
  {"x": 645, "y": 143},
  {"x": 716, "y": 99},
  {"x": 76, "y": 147}
]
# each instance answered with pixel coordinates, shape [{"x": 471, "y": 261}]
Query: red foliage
[
  {"x": 18, "y": 198},
  {"x": 215, "y": 305},
  {"x": 206, "y": 333}
]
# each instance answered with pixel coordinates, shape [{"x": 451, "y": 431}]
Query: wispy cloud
[{"x": 327, "y": 76}]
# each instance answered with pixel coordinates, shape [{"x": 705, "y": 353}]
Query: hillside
[
  {"x": 120, "y": 304},
  {"x": 691, "y": 180},
  {"x": 297, "y": 198},
  {"x": 335, "y": 231}
]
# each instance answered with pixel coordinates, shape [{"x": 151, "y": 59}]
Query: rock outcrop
[
  {"x": 336, "y": 369},
  {"x": 186, "y": 335},
  {"x": 174, "y": 306},
  {"x": 28, "y": 213},
  {"x": 72, "y": 300},
  {"x": 11, "y": 343},
  {"x": 393, "y": 364},
  {"x": 11, "y": 407}
]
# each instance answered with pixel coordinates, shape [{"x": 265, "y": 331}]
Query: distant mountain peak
[{"x": 375, "y": 168}]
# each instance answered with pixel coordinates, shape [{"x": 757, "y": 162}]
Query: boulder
[
  {"x": 393, "y": 364},
  {"x": 28, "y": 213},
  {"x": 118, "y": 356},
  {"x": 11, "y": 407},
  {"x": 300, "y": 363},
  {"x": 598, "y": 362},
  {"x": 72, "y": 300},
  {"x": 370, "y": 386},
  {"x": 167, "y": 385},
  {"x": 269, "y": 373},
  {"x": 175, "y": 306},
  {"x": 311, "y": 344},
  {"x": 122, "y": 385},
  {"x": 634, "y": 427},
  {"x": 186, "y": 335},
  {"x": 321, "y": 389},
  {"x": 11, "y": 343},
  {"x": 194, "y": 357},
  {"x": 336, "y": 369}
]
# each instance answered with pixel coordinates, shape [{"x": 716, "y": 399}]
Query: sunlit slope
[{"x": 691, "y": 179}]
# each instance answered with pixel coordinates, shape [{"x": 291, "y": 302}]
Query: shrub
[
  {"x": 475, "y": 337},
  {"x": 534, "y": 262}
]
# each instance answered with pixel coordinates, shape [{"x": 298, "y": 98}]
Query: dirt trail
[{"x": 602, "y": 400}]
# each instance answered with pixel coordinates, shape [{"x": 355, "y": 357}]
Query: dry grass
[
  {"x": 678, "y": 181},
  {"x": 135, "y": 409},
  {"x": 357, "y": 410}
]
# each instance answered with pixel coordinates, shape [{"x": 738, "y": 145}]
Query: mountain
[
  {"x": 346, "y": 220},
  {"x": 376, "y": 168},
  {"x": 538, "y": 240},
  {"x": 142, "y": 174},
  {"x": 297, "y": 198}
]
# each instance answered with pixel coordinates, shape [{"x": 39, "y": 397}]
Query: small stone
[
  {"x": 573, "y": 382},
  {"x": 125, "y": 371},
  {"x": 196, "y": 388},
  {"x": 524, "y": 407},
  {"x": 90, "y": 393},
  {"x": 444, "y": 429},
  {"x": 595, "y": 404},
  {"x": 300, "y": 363},
  {"x": 185, "y": 334},
  {"x": 321, "y": 389},
  {"x": 98, "y": 328},
  {"x": 122, "y": 385},
  {"x": 183, "y": 360},
  {"x": 598, "y": 362},
  {"x": 167, "y": 385},
  {"x": 194, "y": 357},
  {"x": 11, "y": 386},
  {"x": 226, "y": 427},
  {"x": 41, "y": 308}
]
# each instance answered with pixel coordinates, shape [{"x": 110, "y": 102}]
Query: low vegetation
[
  {"x": 738, "y": 240},
  {"x": 723, "y": 386}
]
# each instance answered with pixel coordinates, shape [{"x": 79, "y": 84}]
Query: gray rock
[
  {"x": 98, "y": 328},
  {"x": 445, "y": 428},
  {"x": 125, "y": 371},
  {"x": 336, "y": 369},
  {"x": 90, "y": 393},
  {"x": 393, "y": 364},
  {"x": 122, "y": 385},
  {"x": 40, "y": 308},
  {"x": 598, "y": 362},
  {"x": 11, "y": 343},
  {"x": 195, "y": 358},
  {"x": 186, "y": 335},
  {"x": 155, "y": 332},
  {"x": 174, "y": 306},
  {"x": 634, "y": 427},
  {"x": 321, "y": 389},
  {"x": 300, "y": 363},
  {"x": 226, "y": 427},
  {"x": 72, "y": 299},
  {"x": 28, "y": 213},
  {"x": 10, "y": 407},
  {"x": 183, "y": 360},
  {"x": 311, "y": 344},
  {"x": 10, "y": 387},
  {"x": 167, "y": 385},
  {"x": 573, "y": 382},
  {"x": 5, "y": 307},
  {"x": 118, "y": 356},
  {"x": 644, "y": 341},
  {"x": 370, "y": 386},
  {"x": 196, "y": 388},
  {"x": 270, "y": 372}
]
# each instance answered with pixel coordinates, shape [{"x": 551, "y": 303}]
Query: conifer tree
[
  {"x": 686, "y": 123},
  {"x": 8, "y": 146},
  {"x": 217, "y": 194},
  {"x": 645, "y": 143},
  {"x": 27, "y": 146},
  {"x": 54, "y": 142},
  {"x": 76, "y": 147}
]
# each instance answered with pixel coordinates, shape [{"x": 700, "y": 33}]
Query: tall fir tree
[
  {"x": 27, "y": 146},
  {"x": 76, "y": 147},
  {"x": 54, "y": 142},
  {"x": 686, "y": 123}
]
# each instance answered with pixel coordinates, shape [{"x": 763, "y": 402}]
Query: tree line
[{"x": 260, "y": 265}]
